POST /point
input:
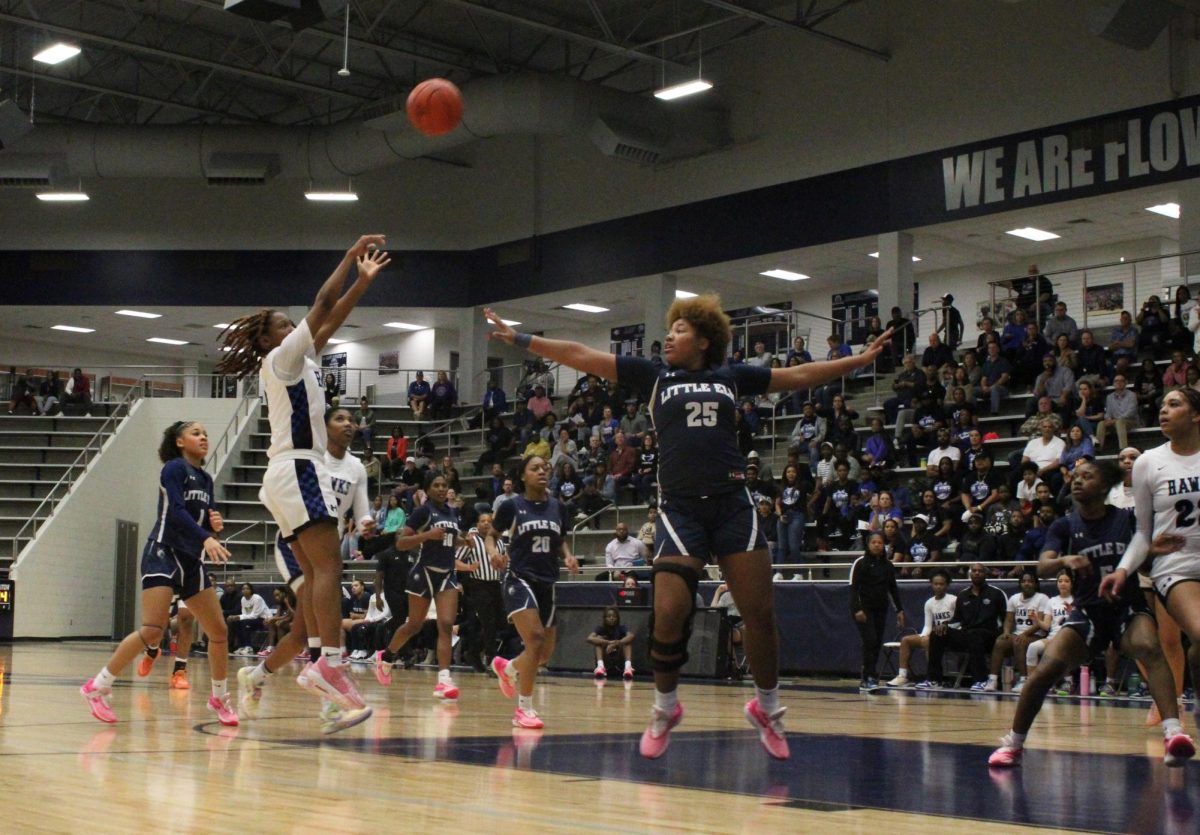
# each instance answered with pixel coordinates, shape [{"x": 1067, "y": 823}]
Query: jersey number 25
[{"x": 701, "y": 414}]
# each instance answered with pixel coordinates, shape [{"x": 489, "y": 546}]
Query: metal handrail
[
  {"x": 67, "y": 481},
  {"x": 579, "y": 525},
  {"x": 222, "y": 445},
  {"x": 590, "y": 571}
]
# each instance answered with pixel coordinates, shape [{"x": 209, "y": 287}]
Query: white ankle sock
[
  {"x": 666, "y": 701},
  {"x": 993, "y": 680},
  {"x": 525, "y": 702},
  {"x": 1017, "y": 740},
  {"x": 258, "y": 676},
  {"x": 1170, "y": 727},
  {"x": 444, "y": 676},
  {"x": 332, "y": 656},
  {"x": 104, "y": 679},
  {"x": 220, "y": 688},
  {"x": 903, "y": 672},
  {"x": 628, "y": 665},
  {"x": 768, "y": 700}
]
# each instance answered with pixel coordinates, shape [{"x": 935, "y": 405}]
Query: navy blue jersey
[
  {"x": 1102, "y": 541},
  {"x": 693, "y": 416},
  {"x": 440, "y": 554},
  {"x": 184, "y": 499},
  {"x": 535, "y": 536}
]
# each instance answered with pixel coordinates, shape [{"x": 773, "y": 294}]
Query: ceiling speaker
[{"x": 13, "y": 123}]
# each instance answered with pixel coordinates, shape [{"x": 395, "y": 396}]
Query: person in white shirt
[
  {"x": 939, "y": 609},
  {"x": 1028, "y": 619},
  {"x": 760, "y": 357},
  {"x": 1121, "y": 495},
  {"x": 1046, "y": 451},
  {"x": 1060, "y": 608},
  {"x": 624, "y": 551},
  {"x": 1027, "y": 486},
  {"x": 369, "y": 635},
  {"x": 242, "y": 627},
  {"x": 944, "y": 449}
]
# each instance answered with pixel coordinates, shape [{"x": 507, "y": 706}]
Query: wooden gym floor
[{"x": 902, "y": 762}]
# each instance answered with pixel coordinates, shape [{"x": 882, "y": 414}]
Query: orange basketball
[{"x": 435, "y": 106}]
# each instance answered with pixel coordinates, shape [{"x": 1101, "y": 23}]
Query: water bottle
[
  {"x": 1134, "y": 684},
  {"x": 1085, "y": 685},
  {"x": 1006, "y": 676}
]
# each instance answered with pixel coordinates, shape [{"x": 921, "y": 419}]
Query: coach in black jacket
[
  {"x": 978, "y": 615},
  {"x": 872, "y": 582}
]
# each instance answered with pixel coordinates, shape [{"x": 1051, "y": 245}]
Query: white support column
[
  {"x": 659, "y": 294},
  {"x": 1189, "y": 232},
  {"x": 895, "y": 273},
  {"x": 472, "y": 353}
]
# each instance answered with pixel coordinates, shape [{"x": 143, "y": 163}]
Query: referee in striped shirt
[{"x": 481, "y": 590}]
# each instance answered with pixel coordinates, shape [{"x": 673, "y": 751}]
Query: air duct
[
  {"x": 620, "y": 124},
  {"x": 299, "y": 13}
]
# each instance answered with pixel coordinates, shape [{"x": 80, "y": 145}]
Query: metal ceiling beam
[
  {"x": 463, "y": 63},
  {"x": 780, "y": 23},
  {"x": 175, "y": 56},
  {"x": 566, "y": 34},
  {"x": 96, "y": 88}
]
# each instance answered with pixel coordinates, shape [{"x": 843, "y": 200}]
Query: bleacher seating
[{"x": 35, "y": 452}]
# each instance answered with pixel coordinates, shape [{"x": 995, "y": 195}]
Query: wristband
[{"x": 522, "y": 340}]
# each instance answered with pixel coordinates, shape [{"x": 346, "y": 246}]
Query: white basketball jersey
[
  {"x": 1026, "y": 609},
  {"x": 1173, "y": 482},
  {"x": 1060, "y": 610},
  {"x": 290, "y": 379},
  {"x": 349, "y": 480},
  {"x": 938, "y": 612}
]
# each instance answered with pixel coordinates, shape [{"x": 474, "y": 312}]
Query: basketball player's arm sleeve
[
  {"x": 419, "y": 519},
  {"x": 1143, "y": 498},
  {"x": 753, "y": 380},
  {"x": 173, "y": 479},
  {"x": 504, "y": 519},
  {"x": 928, "y": 627},
  {"x": 638, "y": 374},
  {"x": 287, "y": 361}
]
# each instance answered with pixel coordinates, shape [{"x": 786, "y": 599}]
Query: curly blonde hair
[{"x": 704, "y": 313}]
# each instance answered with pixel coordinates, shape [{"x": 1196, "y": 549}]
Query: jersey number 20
[
  {"x": 701, "y": 414},
  {"x": 541, "y": 545}
]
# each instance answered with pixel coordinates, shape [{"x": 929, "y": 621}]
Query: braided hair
[{"x": 243, "y": 356}]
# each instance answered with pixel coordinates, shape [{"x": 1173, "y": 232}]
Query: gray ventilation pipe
[{"x": 620, "y": 124}]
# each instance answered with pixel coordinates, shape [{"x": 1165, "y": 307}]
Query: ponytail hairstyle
[
  {"x": 167, "y": 448},
  {"x": 244, "y": 355}
]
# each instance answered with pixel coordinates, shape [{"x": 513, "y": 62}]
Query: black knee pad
[{"x": 678, "y": 650}]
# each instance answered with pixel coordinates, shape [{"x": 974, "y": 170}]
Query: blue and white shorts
[
  {"x": 429, "y": 583},
  {"x": 286, "y": 562},
  {"x": 299, "y": 493},
  {"x": 163, "y": 565},
  {"x": 519, "y": 594},
  {"x": 708, "y": 527}
]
